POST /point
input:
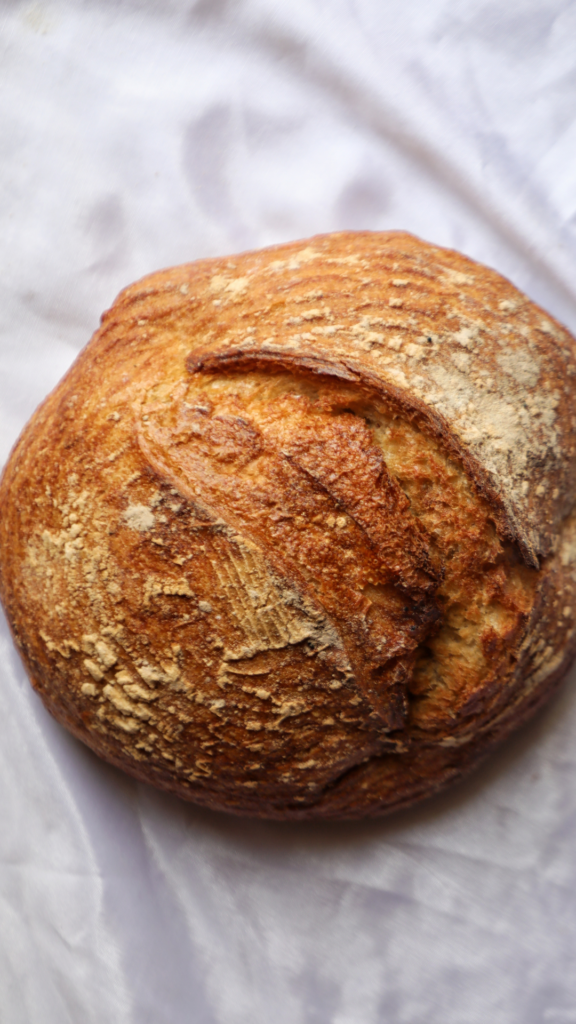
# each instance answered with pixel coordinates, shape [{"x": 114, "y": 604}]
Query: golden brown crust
[{"x": 294, "y": 536}]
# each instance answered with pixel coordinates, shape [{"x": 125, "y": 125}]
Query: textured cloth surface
[{"x": 135, "y": 135}]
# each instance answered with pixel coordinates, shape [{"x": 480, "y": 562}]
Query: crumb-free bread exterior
[{"x": 294, "y": 536}]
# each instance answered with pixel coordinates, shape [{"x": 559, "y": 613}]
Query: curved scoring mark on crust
[
  {"x": 452, "y": 674},
  {"x": 243, "y": 359},
  {"x": 429, "y": 421}
]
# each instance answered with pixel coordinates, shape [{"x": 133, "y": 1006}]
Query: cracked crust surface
[{"x": 295, "y": 535}]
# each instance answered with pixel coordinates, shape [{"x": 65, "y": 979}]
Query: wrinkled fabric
[{"x": 136, "y": 135}]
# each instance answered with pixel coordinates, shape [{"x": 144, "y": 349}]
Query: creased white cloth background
[{"x": 135, "y": 135}]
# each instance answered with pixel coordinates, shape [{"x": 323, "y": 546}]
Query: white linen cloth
[{"x": 138, "y": 134}]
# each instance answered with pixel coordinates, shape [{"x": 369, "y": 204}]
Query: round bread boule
[{"x": 294, "y": 537}]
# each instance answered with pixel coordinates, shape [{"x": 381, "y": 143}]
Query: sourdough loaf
[{"x": 295, "y": 536}]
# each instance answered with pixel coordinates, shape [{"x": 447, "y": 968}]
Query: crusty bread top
[{"x": 268, "y": 528}]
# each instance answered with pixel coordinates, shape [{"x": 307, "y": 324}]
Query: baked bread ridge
[{"x": 305, "y": 519}]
